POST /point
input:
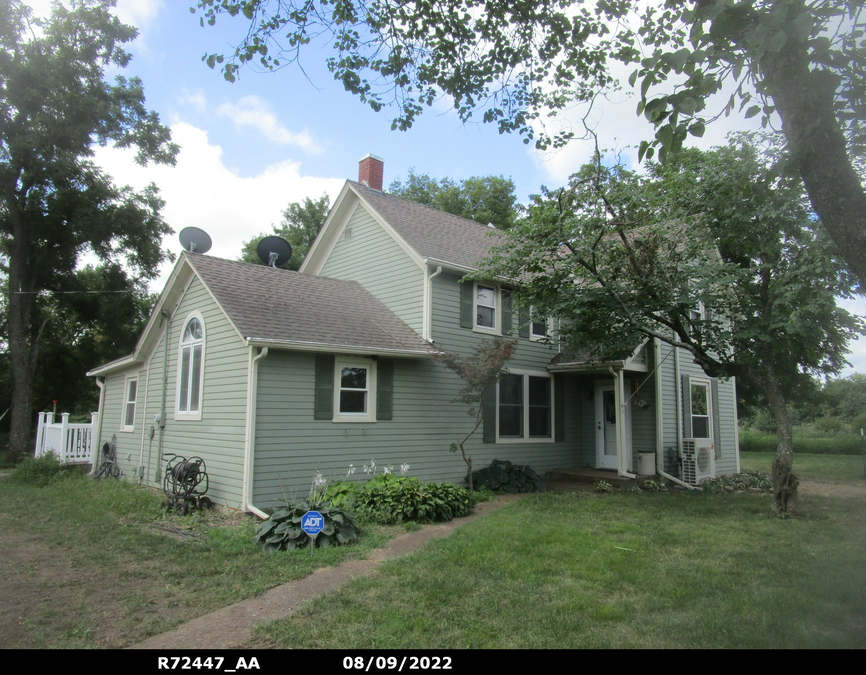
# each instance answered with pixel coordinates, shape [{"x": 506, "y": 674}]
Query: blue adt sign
[{"x": 312, "y": 523}]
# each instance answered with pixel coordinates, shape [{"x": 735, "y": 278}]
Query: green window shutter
[
  {"x": 506, "y": 312},
  {"x": 558, "y": 408},
  {"x": 687, "y": 407},
  {"x": 385, "y": 390},
  {"x": 489, "y": 403},
  {"x": 324, "y": 406},
  {"x": 717, "y": 427},
  {"x": 467, "y": 304},
  {"x": 523, "y": 322}
]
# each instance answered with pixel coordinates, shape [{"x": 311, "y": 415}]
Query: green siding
[
  {"x": 373, "y": 259},
  {"x": 218, "y": 438}
]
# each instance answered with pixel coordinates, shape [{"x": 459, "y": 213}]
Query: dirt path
[{"x": 232, "y": 626}]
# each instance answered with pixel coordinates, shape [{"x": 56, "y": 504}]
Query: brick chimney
[{"x": 370, "y": 170}]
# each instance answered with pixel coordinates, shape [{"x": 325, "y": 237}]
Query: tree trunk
[
  {"x": 785, "y": 482},
  {"x": 23, "y": 344},
  {"x": 804, "y": 100}
]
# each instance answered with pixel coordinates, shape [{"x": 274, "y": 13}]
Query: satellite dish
[
  {"x": 274, "y": 251},
  {"x": 195, "y": 240}
]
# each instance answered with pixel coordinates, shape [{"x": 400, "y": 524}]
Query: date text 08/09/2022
[{"x": 349, "y": 663}]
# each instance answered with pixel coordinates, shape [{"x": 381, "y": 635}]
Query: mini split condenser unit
[{"x": 699, "y": 460}]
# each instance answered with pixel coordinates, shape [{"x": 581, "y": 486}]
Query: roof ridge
[{"x": 427, "y": 206}]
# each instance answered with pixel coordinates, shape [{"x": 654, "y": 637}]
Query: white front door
[{"x": 605, "y": 426}]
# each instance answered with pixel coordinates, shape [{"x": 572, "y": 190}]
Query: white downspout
[
  {"x": 428, "y": 319},
  {"x": 250, "y": 439},
  {"x": 97, "y": 432},
  {"x": 660, "y": 458},
  {"x": 621, "y": 433}
]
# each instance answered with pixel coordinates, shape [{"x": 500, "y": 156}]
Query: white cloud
[
  {"x": 255, "y": 112},
  {"x": 200, "y": 191},
  {"x": 139, "y": 13}
]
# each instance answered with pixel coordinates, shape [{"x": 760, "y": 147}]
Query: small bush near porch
[{"x": 587, "y": 570}]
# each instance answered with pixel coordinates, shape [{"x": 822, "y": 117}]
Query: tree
[
  {"x": 488, "y": 199},
  {"x": 300, "y": 227},
  {"x": 479, "y": 372},
  {"x": 96, "y": 319},
  {"x": 514, "y": 62},
  {"x": 712, "y": 253},
  {"x": 55, "y": 204}
]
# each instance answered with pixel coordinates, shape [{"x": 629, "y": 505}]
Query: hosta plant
[
  {"x": 282, "y": 531},
  {"x": 394, "y": 499}
]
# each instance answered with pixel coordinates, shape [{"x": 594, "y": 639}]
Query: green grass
[
  {"x": 810, "y": 467},
  {"x": 583, "y": 570},
  {"x": 108, "y": 547},
  {"x": 839, "y": 444}
]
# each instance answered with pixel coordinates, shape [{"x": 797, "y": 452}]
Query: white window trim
[
  {"x": 703, "y": 382},
  {"x": 526, "y": 438},
  {"x": 370, "y": 365},
  {"x": 182, "y": 415},
  {"x": 126, "y": 402},
  {"x": 548, "y": 322},
  {"x": 497, "y": 309}
]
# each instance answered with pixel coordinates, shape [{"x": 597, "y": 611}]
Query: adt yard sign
[{"x": 312, "y": 523}]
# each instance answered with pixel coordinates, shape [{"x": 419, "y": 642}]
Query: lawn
[
  {"x": 588, "y": 570},
  {"x": 90, "y": 563}
]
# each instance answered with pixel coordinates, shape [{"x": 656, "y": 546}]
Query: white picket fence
[{"x": 72, "y": 443}]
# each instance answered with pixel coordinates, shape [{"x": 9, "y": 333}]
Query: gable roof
[
  {"x": 284, "y": 309},
  {"x": 280, "y": 307},
  {"x": 427, "y": 234},
  {"x": 433, "y": 234}
]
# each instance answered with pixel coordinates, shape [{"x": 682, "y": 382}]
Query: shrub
[
  {"x": 507, "y": 477},
  {"x": 282, "y": 531},
  {"x": 44, "y": 470},
  {"x": 603, "y": 486},
  {"x": 655, "y": 486},
  {"x": 391, "y": 499},
  {"x": 737, "y": 482}
]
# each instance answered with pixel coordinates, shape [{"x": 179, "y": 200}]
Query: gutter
[
  {"x": 428, "y": 319},
  {"x": 306, "y": 346},
  {"x": 97, "y": 433},
  {"x": 250, "y": 438}
]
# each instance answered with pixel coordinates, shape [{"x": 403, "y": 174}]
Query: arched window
[{"x": 190, "y": 368}]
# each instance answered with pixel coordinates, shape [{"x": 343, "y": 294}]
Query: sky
[{"x": 250, "y": 148}]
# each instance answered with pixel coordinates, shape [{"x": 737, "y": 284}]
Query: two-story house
[{"x": 271, "y": 375}]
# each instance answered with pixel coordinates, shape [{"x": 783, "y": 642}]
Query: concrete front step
[{"x": 592, "y": 476}]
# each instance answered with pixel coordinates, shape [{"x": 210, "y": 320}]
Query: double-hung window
[
  {"x": 525, "y": 407},
  {"x": 485, "y": 307},
  {"x": 701, "y": 426},
  {"x": 355, "y": 390},
  {"x": 190, "y": 369},
  {"x": 129, "y": 403}
]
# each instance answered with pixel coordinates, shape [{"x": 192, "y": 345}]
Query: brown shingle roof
[
  {"x": 432, "y": 233},
  {"x": 282, "y": 306}
]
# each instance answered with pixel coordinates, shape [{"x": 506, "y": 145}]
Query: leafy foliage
[
  {"x": 515, "y": 63},
  {"x": 507, "y": 477},
  {"x": 654, "y": 486},
  {"x": 282, "y": 531},
  {"x": 42, "y": 471},
  {"x": 479, "y": 373},
  {"x": 389, "y": 499},
  {"x": 738, "y": 482},
  {"x": 714, "y": 253},
  {"x": 55, "y": 204},
  {"x": 488, "y": 199},
  {"x": 300, "y": 227}
]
